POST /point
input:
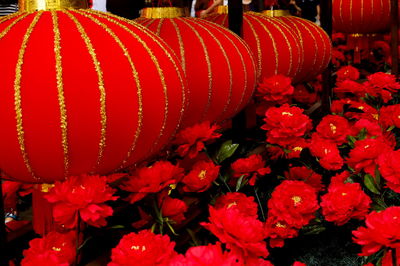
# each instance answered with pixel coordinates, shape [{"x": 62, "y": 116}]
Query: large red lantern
[
  {"x": 82, "y": 92},
  {"x": 361, "y": 16},
  {"x": 219, "y": 66}
]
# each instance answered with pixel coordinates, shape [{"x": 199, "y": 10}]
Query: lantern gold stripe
[
  {"x": 159, "y": 70},
  {"x": 60, "y": 90},
  {"x": 209, "y": 69},
  {"x": 160, "y": 22},
  {"x": 257, "y": 18},
  {"x": 351, "y": 13},
  {"x": 11, "y": 16},
  {"x": 17, "y": 94},
  {"x": 181, "y": 46},
  {"x": 227, "y": 62},
  {"x": 134, "y": 73},
  {"x": 167, "y": 53},
  {"x": 321, "y": 34},
  {"x": 259, "y": 50},
  {"x": 102, "y": 90},
  {"x": 241, "y": 59},
  {"x": 12, "y": 24},
  {"x": 341, "y": 10},
  {"x": 362, "y": 12}
]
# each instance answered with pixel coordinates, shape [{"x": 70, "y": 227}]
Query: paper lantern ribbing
[
  {"x": 361, "y": 16},
  {"x": 219, "y": 66},
  {"x": 83, "y": 92}
]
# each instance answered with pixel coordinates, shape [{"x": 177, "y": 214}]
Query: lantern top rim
[
  {"x": 163, "y": 12},
  {"x": 276, "y": 13},
  {"x": 36, "y": 5}
]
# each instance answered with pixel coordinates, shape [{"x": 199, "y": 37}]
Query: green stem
[{"x": 259, "y": 204}]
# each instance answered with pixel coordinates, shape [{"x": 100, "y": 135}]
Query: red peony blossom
[
  {"x": 365, "y": 154},
  {"x": 201, "y": 176},
  {"x": 285, "y": 124},
  {"x": 242, "y": 234},
  {"x": 143, "y": 248},
  {"x": 53, "y": 249},
  {"x": 382, "y": 85},
  {"x": 276, "y": 89},
  {"x": 364, "y": 110},
  {"x": 298, "y": 263},
  {"x": 343, "y": 202},
  {"x": 387, "y": 259},
  {"x": 173, "y": 209},
  {"x": 307, "y": 175},
  {"x": 350, "y": 86},
  {"x": 338, "y": 58},
  {"x": 382, "y": 230},
  {"x": 294, "y": 202},
  {"x": 151, "y": 179},
  {"x": 390, "y": 116},
  {"x": 237, "y": 200},
  {"x": 372, "y": 128},
  {"x": 334, "y": 128},
  {"x": 191, "y": 140},
  {"x": 11, "y": 190},
  {"x": 341, "y": 177},
  {"x": 294, "y": 150},
  {"x": 389, "y": 168},
  {"x": 278, "y": 230},
  {"x": 252, "y": 166},
  {"x": 84, "y": 195},
  {"x": 327, "y": 152},
  {"x": 208, "y": 255},
  {"x": 302, "y": 95},
  {"x": 347, "y": 73}
]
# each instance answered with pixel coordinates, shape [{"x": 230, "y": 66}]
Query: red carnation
[
  {"x": 285, "y": 124},
  {"x": 382, "y": 230},
  {"x": 276, "y": 89},
  {"x": 85, "y": 195},
  {"x": 307, "y": 175},
  {"x": 242, "y": 234},
  {"x": 173, "y": 209},
  {"x": 278, "y": 230},
  {"x": 387, "y": 259},
  {"x": 53, "y": 249},
  {"x": 294, "y": 202},
  {"x": 240, "y": 201},
  {"x": 338, "y": 57},
  {"x": 334, "y": 128},
  {"x": 364, "y": 110},
  {"x": 365, "y": 154},
  {"x": 382, "y": 85},
  {"x": 143, "y": 248},
  {"x": 350, "y": 86},
  {"x": 389, "y": 168},
  {"x": 372, "y": 128},
  {"x": 343, "y": 202},
  {"x": 347, "y": 73},
  {"x": 298, "y": 263},
  {"x": 151, "y": 179},
  {"x": 327, "y": 152},
  {"x": 191, "y": 140},
  {"x": 252, "y": 166},
  {"x": 201, "y": 176},
  {"x": 294, "y": 149},
  {"x": 390, "y": 116},
  {"x": 303, "y": 95}
]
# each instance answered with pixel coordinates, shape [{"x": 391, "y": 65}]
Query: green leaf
[
  {"x": 369, "y": 182},
  {"x": 227, "y": 150},
  {"x": 120, "y": 226},
  {"x": 362, "y": 135},
  {"x": 193, "y": 236},
  {"x": 390, "y": 128},
  {"x": 171, "y": 228},
  {"x": 377, "y": 178},
  {"x": 351, "y": 140},
  {"x": 313, "y": 229}
]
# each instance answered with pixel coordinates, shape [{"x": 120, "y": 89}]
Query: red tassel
[{"x": 42, "y": 210}]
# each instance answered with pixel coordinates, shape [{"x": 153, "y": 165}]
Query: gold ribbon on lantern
[
  {"x": 276, "y": 13},
  {"x": 163, "y": 12},
  {"x": 35, "y": 5}
]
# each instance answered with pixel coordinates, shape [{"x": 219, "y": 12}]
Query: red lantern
[
  {"x": 83, "y": 92},
  {"x": 361, "y": 16},
  {"x": 219, "y": 66},
  {"x": 273, "y": 43}
]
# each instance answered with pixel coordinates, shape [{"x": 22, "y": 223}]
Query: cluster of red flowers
[{"x": 250, "y": 168}]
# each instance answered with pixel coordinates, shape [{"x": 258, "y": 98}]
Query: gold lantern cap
[
  {"x": 222, "y": 9},
  {"x": 35, "y": 5},
  {"x": 163, "y": 12},
  {"x": 276, "y": 13}
]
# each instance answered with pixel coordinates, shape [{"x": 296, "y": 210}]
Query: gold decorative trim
[
  {"x": 222, "y": 9},
  {"x": 163, "y": 12},
  {"x": 17, "y": 94},
  {"x": 102, "y": 89},
  {"x": 358, "y": 35},
  {"x": 35, "y": 5},
  {"x": 12, "y": 24},
  {"x": 258, "y": 43},
  {"x": 276, "y": 13},
  {"x": 60, "y": 90}
]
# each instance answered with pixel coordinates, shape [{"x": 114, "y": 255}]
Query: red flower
[
  {"x": 151, "y": 179},
  {"x": 337, "y": 57},
  {"x": 298, "y": 263},
  {"x": 387, "y": 259},
  {"x": 275, "y": 89},
  {"x": 350, "y": 86},
  {"x": 208, "y": 255},
  {"x": 365, "y": 154},
  {"x": 294, "y": 150},
  {"x": 251, "y": 166},
  {"x": 382, "y": 85},
  {"x": 242, "y": 234},
  {"x": 201, "y": 176},
  {"x": 338, "y": 37},
  {"x": 368, "y": 112},
  {"x": 285, "y": 124},
  {"x": 85, "y": 195},
  {"x": 53, "y": 249},
  {"x": 278, "y": 230},
  {"x": 294, "y": 202},
  {"x": 372, "y": 128},
  {"x": 334, "y": 128},
  {"x": 11, "y": 190},
  {"x": 303, "y": 95},
  {"x": 191, "y": 140},
  {"x": 143, "y": 248},
  {"x": 307, "y": 175},
  {"x": 237, "y": 200},
  {"x": 347, "y": 73},
  {"x": 327, "y": 152},
  {"x": 343, "y": 202},
  {"x": 389, "y": 168},
  {"x": 173, "y": 209},
  {"x": 382, "y": 230},
  {"x": 390, "y": 116}
]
